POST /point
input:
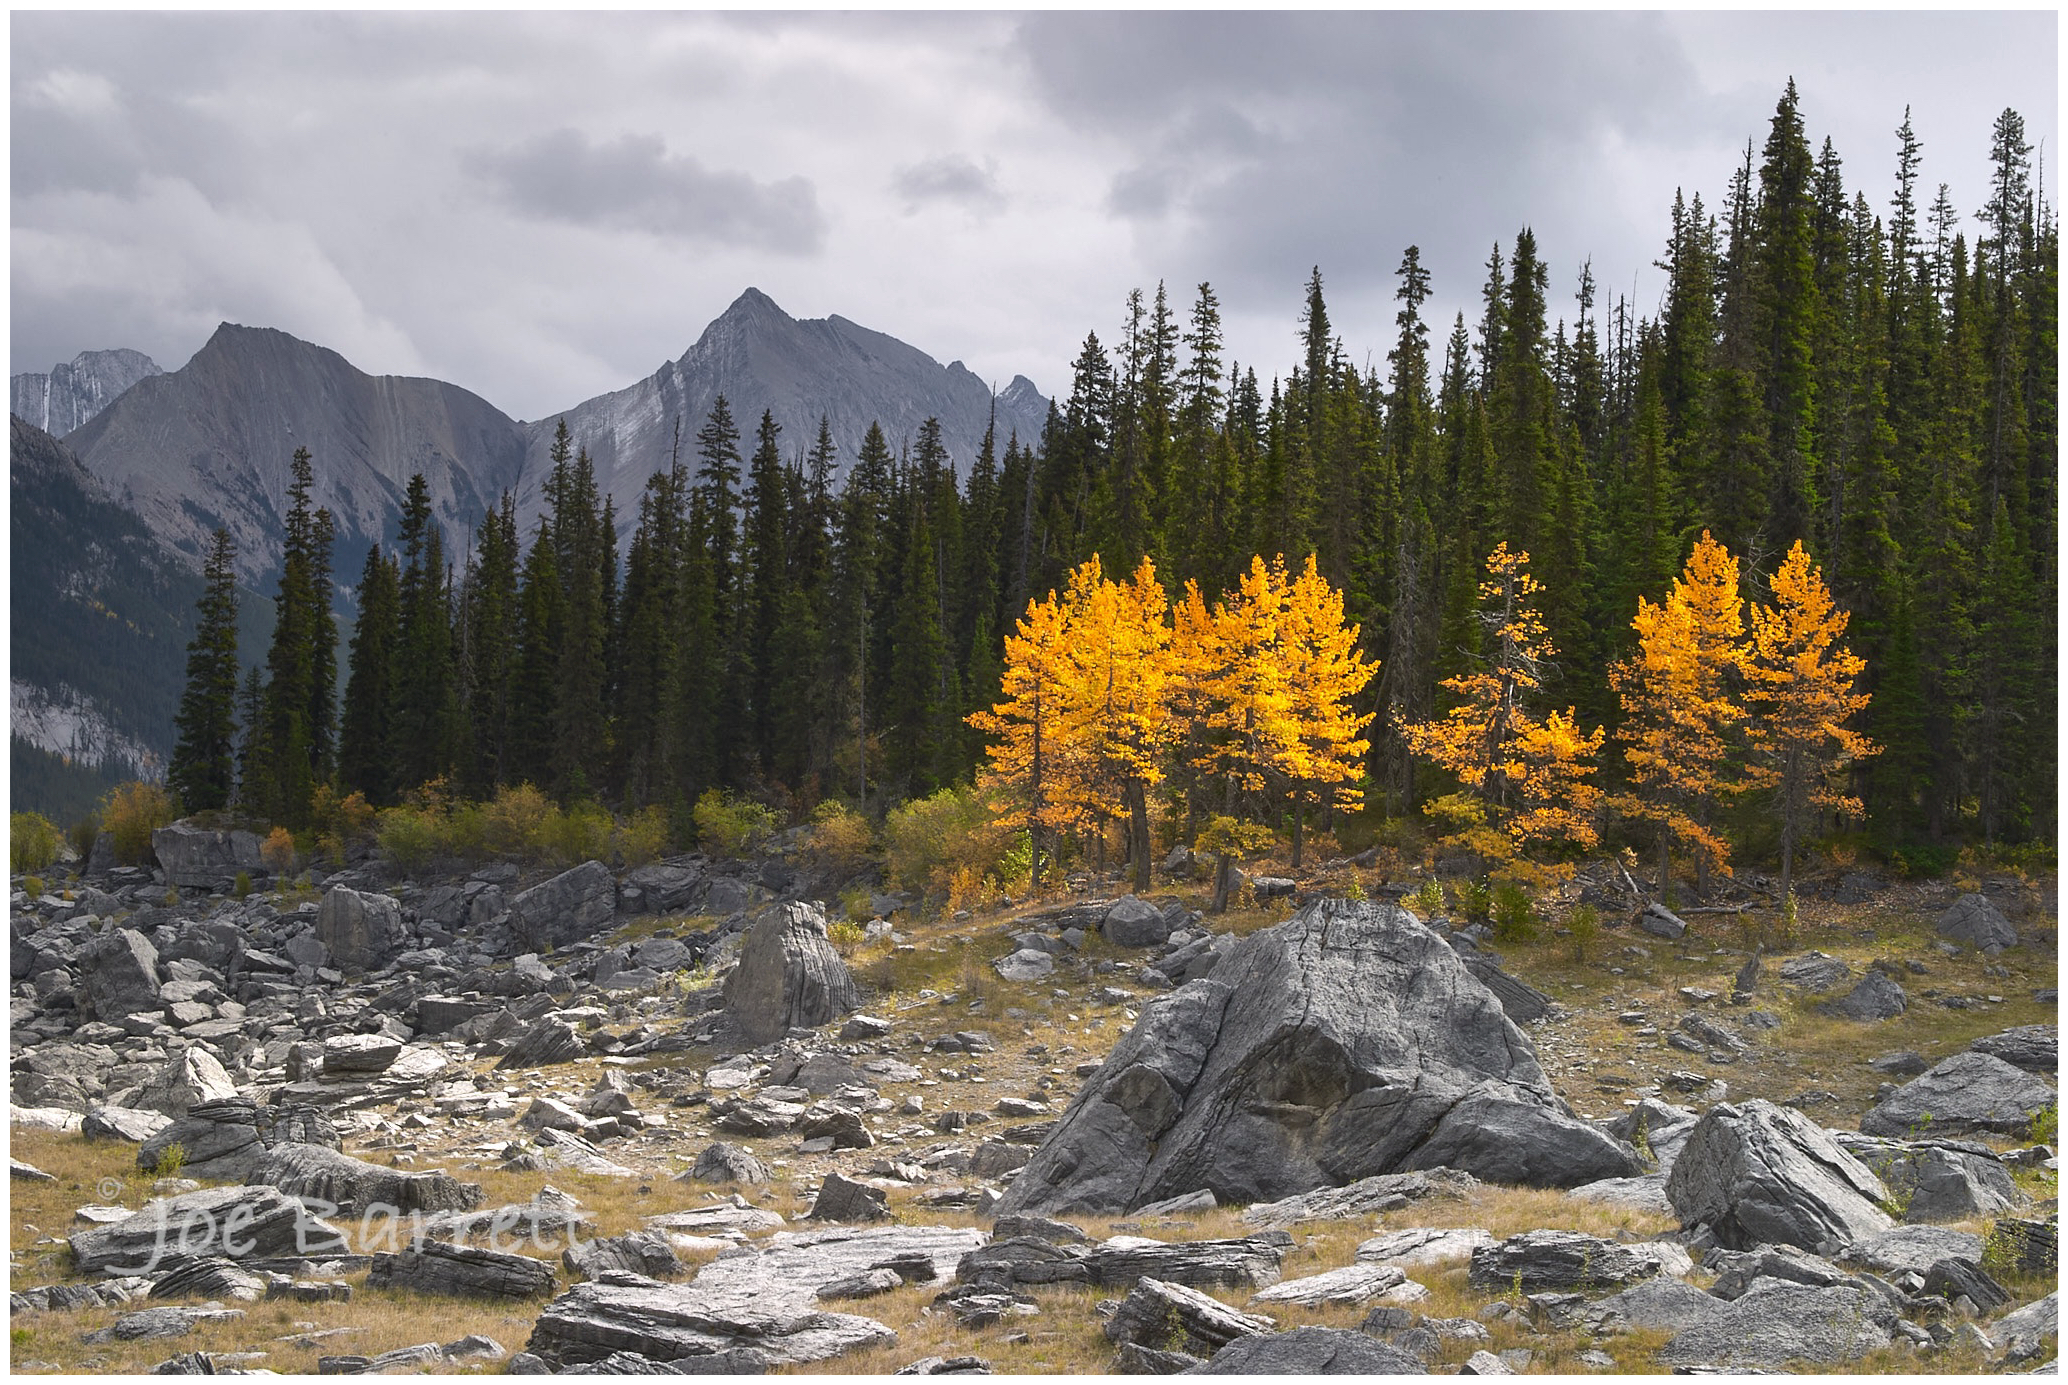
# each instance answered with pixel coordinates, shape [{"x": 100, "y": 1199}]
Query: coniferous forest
[{"x": 1875, "y": 381}]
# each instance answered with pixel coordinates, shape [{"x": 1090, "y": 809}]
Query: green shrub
[
  {"x": 410, "y": 837},
  {"x": 581, "y": 833},
  {"x": 84, "y": 833},
  {"x": 1474, "y": 900},
  {"x": 1427, "y": 899},
  {"x": 1924, "y": 861},
  {"x": 1584, "y": 923},
  {"x": 32, "y": 842},
  {"x": 644, "y": 837},
  {"x": 242, "y": 887},
  {"x": 32, "y": 886},
  {"x": 839, "y": 836},
  {"x": 846, "y": 933},
  {"x": 1513, "y": 914},
  {"x": 928, "y": 841},
  {"x": 131, "y": 813},
  {"x": 731, "y": 826},
  {"x": 171, "y": 1160},
  {"x": 854, "y": 902},
  {"x": 1354, "y": 892},
  {"x": 514, "y": 822}
]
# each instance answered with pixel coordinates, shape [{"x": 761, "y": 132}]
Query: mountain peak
[{"x": 753, "y": 303}]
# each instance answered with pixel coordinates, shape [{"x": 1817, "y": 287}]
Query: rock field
[{"x": 658, "y": 1120}]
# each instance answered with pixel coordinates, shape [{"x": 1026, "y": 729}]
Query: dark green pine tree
[
  {"x": 423, "y": 703},
  {"x": 650, "y": 682},
  {"x": 534, "y": 678},
  {"x": 489, "y": 598},
  {"x": 766, "y": 563},
  {"x": 855, "y": 608},
  {"x": 723, "y": 662},
  {"x": 366, "y": 762},
  {"x": 301, "y": 693},
  {"x": 1784, "y": 319},
  {"x": 203, "y": 771},
  {"x": 583, "y": 548},
  {"x": 1896, "y": 721},
  {"x": 919, "y": 696},
  {"x": 254, "y": 760}
]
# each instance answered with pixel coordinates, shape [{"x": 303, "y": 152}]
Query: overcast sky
[{"x": 541, "y": 207}]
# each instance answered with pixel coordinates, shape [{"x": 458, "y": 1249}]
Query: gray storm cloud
[{"x": 633, "y": 183}]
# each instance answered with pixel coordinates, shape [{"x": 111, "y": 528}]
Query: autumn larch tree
[
  {"x": 1529, "y": 776},
  {"x": 1025, "y": 750},
  {"x": 1317, "y": 745},
  {"x": 1679, "y": 710},
  {"x": 1117, "y": 690},
  {"x": 1799, "y": 693}
]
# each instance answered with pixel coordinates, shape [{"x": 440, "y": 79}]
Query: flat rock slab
[
  {"x": 2033, "y": 1047},
  {"x": 1311, "y": 1351},
  {"x": 698, "y": 1221},
  {"x": 1346, "y": 1042},
  {"x": 675, "y": 1323},
  {"x": 1416, "y": 1246},
  {"x": 354, "y": 1186},
  {"x": 1656, "y": 1304},
  {"x": 1351, "y": 1286},
  {"x": 1777, "y": 1324},
  {"x": 787, "y": 1268},
  {"x": 1969, "y": 1092},
  {"x": 1536, "y": 1261},
  {"x": 154, "y": 1324},
  {"x": 439, "y": 1267},
  {"x": 1382, "y": 1192},
  {"x": 1757, "y": 1173},
  {"x": 1914, "y": 1248},
  {"x": 238, "y": 1223},
  {"x": 1172, "y": 1317},
  {"x": 1250, "y": 1262}
]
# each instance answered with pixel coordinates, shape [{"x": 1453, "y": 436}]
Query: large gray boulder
[
  {"x": 1310, "y": 1351},
  {"x": 197, "y": 857},
  {"x": 661, "y": 888},
  {"x": 1966, "y": 1093},
  {"x": 2033, "y": 1047},
  {"x": 354, "y": 1186},
  {"x": 1346, "y": 1042},
  {"x": 1973, "y": 920},
  {"x": 187, "y": 1079},
  {"x": 362, "y": 932},
  {"x": 237, "y": 1223},
  {"x": 1777, "y": 1323},
  {"x": 573, "y": 905},
  {"x": 789, "y": 975},
  {"x": 1135, "y": 922},
  {"x": 1756, "y": 1172},
  {"x": 440, "y": 1267},
  {"x": 1876, "y": 997},
  {"x": 119, "y": 976}
]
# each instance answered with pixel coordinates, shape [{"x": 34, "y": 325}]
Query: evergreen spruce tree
[
  {"x": 203, "y": 771},
  {"x": 366, "y": 760}
]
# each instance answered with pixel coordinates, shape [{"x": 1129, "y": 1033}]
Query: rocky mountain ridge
[
  {"x": 209, "y": 444},
  {"x": 71, "y": 393}
]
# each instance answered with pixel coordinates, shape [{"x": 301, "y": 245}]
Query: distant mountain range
[
  {"x": 71, "y": 394},
  {"x": 209, "y": 444}
]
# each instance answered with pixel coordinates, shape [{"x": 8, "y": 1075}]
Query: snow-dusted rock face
[{"x": 74, "y": 392}]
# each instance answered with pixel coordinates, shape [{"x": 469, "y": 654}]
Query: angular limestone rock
[
  {"x": 1967, "y": 1092},
  {"x": 789, "y": 975},
  {"x": 1346, "y": 1042},
  {"x": 1757, "y": 1172},
  {"x": 439, "y": 1267}
]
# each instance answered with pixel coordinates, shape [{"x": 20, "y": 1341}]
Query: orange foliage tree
[
  {"x": 1677, "y": 699},
  {"x": 1028, "y": 758},
  {"x": 1317, "y": 745},
  {"x": 1799, "y": 692},
  {"x": 1529, "y": 777}
]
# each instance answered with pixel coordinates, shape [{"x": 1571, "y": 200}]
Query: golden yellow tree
[
  {"x": 1231, "y": 688},
  {"x": 1529, "y": 777},
  {"x": 1117, "y": 670},
  {"x": 1679, "y": 710},
  {"x": 1028, "y": 759},
  {"x": 1799, "y": 695},
  {"x": 1316, "y": 745}
]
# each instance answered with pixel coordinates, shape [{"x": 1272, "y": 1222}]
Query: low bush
[
  {"x": 32, "y": 842},
  {"x": 513, "y": 823},
  {"x": 1514, "y": 917},
  {"x": 278, "y": 852},
  {"x": 131, "y": 813},
  {"x": 644, "y": 837},
  {"x": 32, "y": 886},
  {"x": 839, "y": 837},
  {"x": 929, "y": 841},
  {"x": 1584, "y": 923},
  {"x": 728, "y": 825},
  {"x": 581, "y": 833},
  {"x": 84, "y": 833},
  {"x": 242, "y": 887}
]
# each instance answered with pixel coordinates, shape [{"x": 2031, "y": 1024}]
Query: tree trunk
[
  {"x": 1138, "y": 823},
  {"x": 1299, "y": 822},
  {"x": 1219, "y": 904},
  {"x": 1665, "y": 866}
]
